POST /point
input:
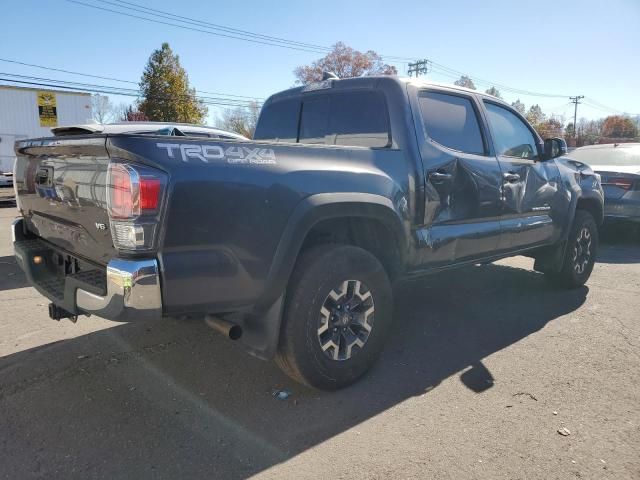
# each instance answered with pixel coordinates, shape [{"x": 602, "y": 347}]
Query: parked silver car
[{"x": 619, "y": 166}]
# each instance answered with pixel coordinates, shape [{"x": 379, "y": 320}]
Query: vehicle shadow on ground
[
  {"x": 175, "y": 400},
  {"x": 619, "y": 244}
]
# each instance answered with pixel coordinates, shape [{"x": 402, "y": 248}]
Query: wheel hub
[
  {"x": 582, "y": 251},
  {"x": 346, "y": 320}
]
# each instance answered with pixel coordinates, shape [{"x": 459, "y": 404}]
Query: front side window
[
  {"x": 356, "y": 119},
  {"x": 451, "y": 121},
  {"x": 511, "y": 136}
]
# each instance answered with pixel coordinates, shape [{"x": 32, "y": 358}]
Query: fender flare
[
  {"x": 316, "y": 208},
  {"x": 262, "y": 326}
]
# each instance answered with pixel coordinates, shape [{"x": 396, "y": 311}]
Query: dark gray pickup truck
[{"x": 291, "y": 242}]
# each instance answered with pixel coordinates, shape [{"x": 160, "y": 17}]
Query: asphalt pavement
[{"x": 490, "y": 373}]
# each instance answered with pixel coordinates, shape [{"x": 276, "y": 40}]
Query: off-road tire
[
  {"x": 575, "y": 268},
  {"x": 317, "y": 273}
]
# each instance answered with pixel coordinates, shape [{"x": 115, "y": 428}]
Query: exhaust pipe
[{"x": 231, "y": 330}]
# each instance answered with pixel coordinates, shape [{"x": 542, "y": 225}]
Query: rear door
[
  {"x": 463, "y": 179},
  {"x": 530, "y": 186}
]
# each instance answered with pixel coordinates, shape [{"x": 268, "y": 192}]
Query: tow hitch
[{"x": 57, "y": 313}]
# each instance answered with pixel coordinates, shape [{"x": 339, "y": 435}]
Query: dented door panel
[
  {"x": 462, "y": 197},
  {"x": 529, "y": 202}
]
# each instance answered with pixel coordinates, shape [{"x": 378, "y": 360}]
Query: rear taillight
[
  {"x": 134, "y": 199},
  {"x": 623, "y": 183}
]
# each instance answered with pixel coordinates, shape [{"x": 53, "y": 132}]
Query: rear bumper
[
  {"x": 127, "y": 290},
  {"x": 622, "y": 210}
]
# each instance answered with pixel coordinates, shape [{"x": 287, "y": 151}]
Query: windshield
[{"x": 621, "y": 155}]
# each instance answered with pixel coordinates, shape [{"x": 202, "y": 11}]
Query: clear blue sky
[{"x": 586, "y": 48}]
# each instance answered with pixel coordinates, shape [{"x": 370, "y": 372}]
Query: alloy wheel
[
  {"x": 346, "y": 320},
  {"x": 582, "y": 251}
]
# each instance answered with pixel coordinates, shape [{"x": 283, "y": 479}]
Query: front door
[
  {"x": 462, "y": 180},
  {"x": 529, "y": 184}
]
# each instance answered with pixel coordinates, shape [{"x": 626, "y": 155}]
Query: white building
[{"x": 31, "y": 112}]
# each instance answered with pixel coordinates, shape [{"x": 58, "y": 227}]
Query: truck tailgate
[{"x": 61, "y": 191}]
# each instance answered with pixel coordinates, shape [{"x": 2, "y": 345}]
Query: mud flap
[
  {"x": 260, "y": 333},
  {"x": 551, "y": 259}
]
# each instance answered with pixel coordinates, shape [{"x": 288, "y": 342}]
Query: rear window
[
  {"x": 620, "y": 156},
  {"x": 357, "y": 119},
  {"x": 451, "y": 121},
  {"x": 279, "y": 122}
]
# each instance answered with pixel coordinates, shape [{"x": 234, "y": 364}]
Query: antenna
[{"x": 329, "y": 76}]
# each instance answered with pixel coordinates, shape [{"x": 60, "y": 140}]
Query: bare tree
[
  {"x": 519, "y": 106},
  {"x": 127, "y": 113},
  {"x": 493, "y": 91},
  {"x": 465, "y": 81},
  {"x": 102, "y": 108},
  {"x": 345, "y": 62},
  {"x": 241, "y": 120}
]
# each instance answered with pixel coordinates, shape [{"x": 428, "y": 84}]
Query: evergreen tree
[{"x": 166, "y": 95}]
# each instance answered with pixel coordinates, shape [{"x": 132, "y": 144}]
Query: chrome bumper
[
  {"x": 132, "y": 286},
  {"x": 133, "y": 292}
]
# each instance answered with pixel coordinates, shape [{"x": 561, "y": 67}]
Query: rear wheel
[
  {"x": 337, "y": 316},
  {"x": 580, "y": 253}
]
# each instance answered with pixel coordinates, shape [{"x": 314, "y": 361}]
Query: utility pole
[
  {"x": 418, "y": 67},
  {"x": 575, "y": 100}
]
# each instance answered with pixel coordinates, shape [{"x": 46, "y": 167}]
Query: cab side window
[
  {"x": 356, "y": 119},
  {"x": 451, "y": 121},
  {"x": 511, "y": 136},
  {"x": 279, "y": 121}
]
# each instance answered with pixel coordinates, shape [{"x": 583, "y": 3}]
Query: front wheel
[
  {"x": 580, "y": 253},
  {"x": 337, "y": 316}
]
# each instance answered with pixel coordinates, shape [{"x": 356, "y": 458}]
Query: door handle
[
  {"x": 440, "y": 177},
  {"x": 511, "y": 177}
]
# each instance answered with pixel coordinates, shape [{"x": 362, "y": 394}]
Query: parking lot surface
[{"x": 490, "y": 373}]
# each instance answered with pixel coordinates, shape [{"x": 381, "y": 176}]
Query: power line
[
  {"x": 189, "y": 23},
  {"x": 244, "y": 35},
  {"x": 201, "y": 30},
  {"x": 125, "y": 91},
  {"x": 164, "y": 14},
  {"x": 270, "y": 40},
  {"x": 110, "y": 90},
  {"x": 112, "y": 78}
]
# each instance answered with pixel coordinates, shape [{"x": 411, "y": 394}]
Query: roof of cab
[{"x": 372, "y": 82}]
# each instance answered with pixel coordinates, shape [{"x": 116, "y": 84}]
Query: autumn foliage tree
[
  {"x": 617, "y": 126},
  {"x": 550, "y": 128},
  {"x": 166, "y": 94},
  {"x": 535, "y": 116},
  {"x": 345, "y": 62}
]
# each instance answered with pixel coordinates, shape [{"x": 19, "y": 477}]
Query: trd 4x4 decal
[{"x": 207, "y": 153}]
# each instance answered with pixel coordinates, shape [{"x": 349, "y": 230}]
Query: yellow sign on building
[{"x": 47, "y": 109}]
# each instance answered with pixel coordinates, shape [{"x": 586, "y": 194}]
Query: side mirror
[{"x": 554, "y": 147}]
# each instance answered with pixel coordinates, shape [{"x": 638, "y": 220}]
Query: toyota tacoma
[{"x": 291, "y": 242}]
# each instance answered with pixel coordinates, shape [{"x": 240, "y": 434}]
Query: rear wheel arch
[{"x": 318, "y": 214}]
